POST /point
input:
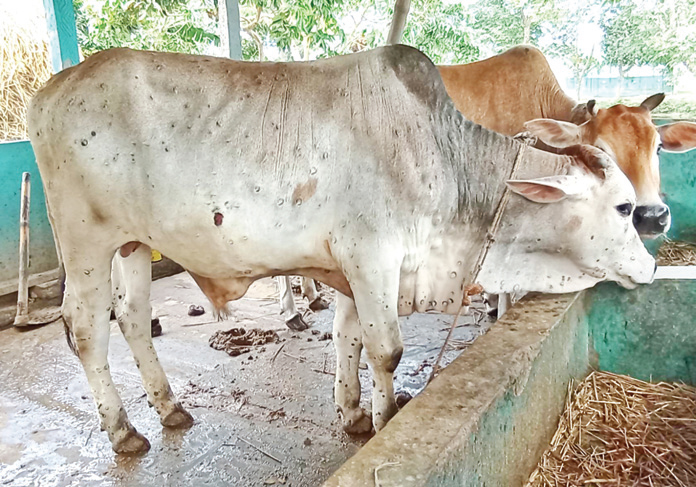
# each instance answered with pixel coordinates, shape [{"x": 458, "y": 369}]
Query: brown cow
[{"x": 516, "y": 91}]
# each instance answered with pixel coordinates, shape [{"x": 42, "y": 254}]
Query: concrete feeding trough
[{"x": 488, "y": 417}]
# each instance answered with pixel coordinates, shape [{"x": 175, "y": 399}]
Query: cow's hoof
[
  {"x": 402, "y": 398},
  {"x": 156, "y": 327},
  {"x": 318, "y": 304},
  {"x": 358, "y": 422},
  {"x": 297, "y": 323},
  {"x": 132, "y": 443},
  {"x": 179, "y": 418}
]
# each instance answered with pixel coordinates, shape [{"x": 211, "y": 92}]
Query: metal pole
[
  {"x": 23, "y": 286},
  {"x": 401, "y": 8},
  {"x": 228, "y": 17}
]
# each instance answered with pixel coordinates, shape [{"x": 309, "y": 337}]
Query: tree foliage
[
  {"x": 635, "y": 32},
  {"x": 163, "y": 25}
]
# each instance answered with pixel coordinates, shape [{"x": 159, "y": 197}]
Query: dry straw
[
  {"x": 676, "y": 253},
  {"x": 620, "y": 431},
  {"x": 24, "y": 67}
]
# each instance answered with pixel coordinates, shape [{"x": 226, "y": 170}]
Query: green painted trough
[{"x": 489, "y": 416}]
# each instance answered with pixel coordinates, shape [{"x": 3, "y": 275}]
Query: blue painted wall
[{"x": 15, "y": 158}]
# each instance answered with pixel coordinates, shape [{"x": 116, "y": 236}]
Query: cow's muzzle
[{"x": 652, "y": 220}]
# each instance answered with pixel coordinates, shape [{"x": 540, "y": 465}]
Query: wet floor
[{"x": 262, "y": 418}]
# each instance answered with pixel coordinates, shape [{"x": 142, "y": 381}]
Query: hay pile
[
  {"x": 620, "y": 431},
  {"x": 24, "y": 68},
  {"x": 676, "y": 253}
]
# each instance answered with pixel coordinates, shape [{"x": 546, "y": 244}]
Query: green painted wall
[
  {"x": 648, "y": 333},
  {"x": 62, "y": 33},
  {"x": 678, "y": 177},
  {"x": 15, "y": 158}
]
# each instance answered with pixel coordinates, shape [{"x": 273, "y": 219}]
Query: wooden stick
[
  {"x": 259, "y": 449},
  {"x": 444, "y": 345},
  {"x": 23, "y": 288}
]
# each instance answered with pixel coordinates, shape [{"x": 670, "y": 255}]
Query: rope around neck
[{"x": 490, "y": 238}]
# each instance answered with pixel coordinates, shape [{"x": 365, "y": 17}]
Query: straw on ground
[{"x": 620, "y": 431}]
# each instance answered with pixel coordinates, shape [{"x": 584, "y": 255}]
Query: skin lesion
[{"x": 304, "y": 191}]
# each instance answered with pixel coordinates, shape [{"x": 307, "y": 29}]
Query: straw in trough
[
  {"x": 676, "y": 253},
  {"x": 24, "y": 68},
  {"x": 620, "y": 431}
]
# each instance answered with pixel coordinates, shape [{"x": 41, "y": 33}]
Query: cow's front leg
[
  {"x": 376, "y": 299},
  {"x": 293, "y": 318},
  {"x": 133, "y": 312},
  {"x": 86, "y": 307},
  {"x": 348, "y": 343},
  {"x": 309, "y": 290}
]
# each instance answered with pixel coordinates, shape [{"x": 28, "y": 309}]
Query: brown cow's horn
[
  {"x": 591, "y": 107},
  {"x": 652, "y": 101},
  {"x": 591, "y": 158}
]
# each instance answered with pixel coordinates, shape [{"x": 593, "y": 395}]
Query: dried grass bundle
[
  {"x": 24, "y": 68},
  {"x": 676, "y": 253},
  {"x": 620, "y": 431}
]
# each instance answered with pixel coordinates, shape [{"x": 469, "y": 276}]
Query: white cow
[{"x": 356, "y": 171}]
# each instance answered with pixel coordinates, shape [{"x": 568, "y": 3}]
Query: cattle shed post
[
  {"x": 230, "y": 29},
  {"x": 62, "y": 33}
]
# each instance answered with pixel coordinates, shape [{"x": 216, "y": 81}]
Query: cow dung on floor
[{"x": 237, "y": 341}]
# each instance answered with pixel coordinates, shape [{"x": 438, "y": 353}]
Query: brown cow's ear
[
  {"x": 678, "y": 137},
  {"x": 651, "y": 102}
]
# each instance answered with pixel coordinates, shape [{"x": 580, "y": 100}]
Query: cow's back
[
  {"x": 280, "y": 154},
  {"x": 504, "y": 91}
]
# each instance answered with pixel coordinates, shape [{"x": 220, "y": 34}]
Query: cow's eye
[
  {"x": 625, "y": 209},
  {"x": 659, "y": 149}
]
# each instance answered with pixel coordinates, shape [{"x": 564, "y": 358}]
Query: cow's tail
[{"x": 223, "y": 313}]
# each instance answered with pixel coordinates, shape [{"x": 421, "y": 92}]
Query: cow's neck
[{"x": 482, "y": 161}]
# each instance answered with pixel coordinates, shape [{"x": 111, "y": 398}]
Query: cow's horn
[{"x": 591, "y": 107}]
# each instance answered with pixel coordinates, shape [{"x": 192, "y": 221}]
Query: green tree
[
  {"x": 629, "y": 34},
  {"x": 301, "y": 29},
  {"x": 441, "y": 30},
  {"x": 567, "y": 44},
  {"x": 501, "y": 24},
  {"x": 163, "y": 25},
  {"x": 675, "y": 34}
]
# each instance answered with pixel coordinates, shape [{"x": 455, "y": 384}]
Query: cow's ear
[
  {"x": 678, "y": 137},
  {"x": 651, "y": 102},
  {"x": 546, "y": 190},
  {"x": 554, "y": 132}
]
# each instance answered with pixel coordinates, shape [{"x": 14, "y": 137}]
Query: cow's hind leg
[
  {"x": 133, "y": 312},
  {"x": 86, "y": 308},
  {"x": 309, "y": 289},
  {"x": 293, "y": 318},
  {"x": 348, "y": 343}
]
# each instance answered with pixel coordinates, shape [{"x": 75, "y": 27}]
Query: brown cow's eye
[
  {"x": 659, "y": 149},
  {"x": 625, "y": 209}
]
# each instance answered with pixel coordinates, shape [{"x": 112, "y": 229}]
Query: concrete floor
[{"x": 260, "y": 420}]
